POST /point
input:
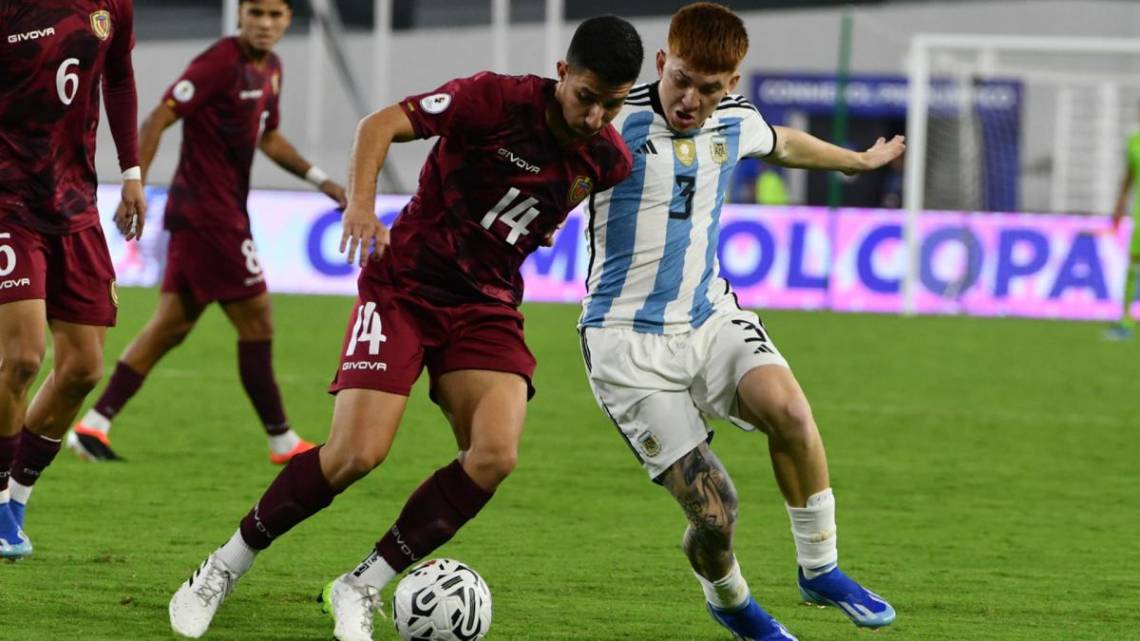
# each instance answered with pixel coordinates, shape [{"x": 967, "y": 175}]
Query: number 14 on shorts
[{"x": 367, "y": 329}]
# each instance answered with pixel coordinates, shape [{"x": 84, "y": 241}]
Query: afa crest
[
  {"x": 101, "y": 24},
  {"x": 685, "y": 150},
  {"x": 649, "y": 444},
  {"x": 719, "y": 148},
  {"x": 579, "y": 189}
]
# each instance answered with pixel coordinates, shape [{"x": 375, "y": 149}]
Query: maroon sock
[
  {"x": 8, "y": 445},
  {"x": 299, "y": 491},
  {"x": 32, "y": 457},
  {"x": 255, "y": 365},
  {"x": 433, "y": 514},
  {"x": 124, "y": 383}
]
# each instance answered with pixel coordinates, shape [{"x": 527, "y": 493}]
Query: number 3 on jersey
[{"x": 517, "y": 217}]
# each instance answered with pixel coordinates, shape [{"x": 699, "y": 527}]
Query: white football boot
[
  {"x": 193, "y": 606},
  {"x": 351, "y": 607}
]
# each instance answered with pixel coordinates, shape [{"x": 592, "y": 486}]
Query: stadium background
[{"x": 985, "y": 467}]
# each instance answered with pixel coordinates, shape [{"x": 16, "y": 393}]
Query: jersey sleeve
[
  {"x": 757, "y": 137},
  {"x": 206, "y": 76},
  {"x": 273, "y": 105},
  {"x": 120, "y": 97},
  {"x": 461, "y": 106}
]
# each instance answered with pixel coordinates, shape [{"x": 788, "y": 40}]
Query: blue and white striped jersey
[{"x": 653, "y": 237}]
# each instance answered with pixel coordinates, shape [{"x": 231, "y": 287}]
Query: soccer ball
[{"x": 442, "y": 600}]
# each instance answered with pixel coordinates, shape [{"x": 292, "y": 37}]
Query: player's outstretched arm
[
  {"x": 375, "y": 134},
  {"x": 281, "y": 151},
  {"x": 799, "y": 149}
]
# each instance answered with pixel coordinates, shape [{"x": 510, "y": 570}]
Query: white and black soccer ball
[{"x": 442, "y": 600}]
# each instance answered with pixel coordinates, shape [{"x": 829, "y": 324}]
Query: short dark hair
[
  {"x": 288, "y": 3},
  {"x": 608, "y": 46}
]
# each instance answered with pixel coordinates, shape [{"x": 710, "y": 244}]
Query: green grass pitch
[{"x": 986, "y": 472}]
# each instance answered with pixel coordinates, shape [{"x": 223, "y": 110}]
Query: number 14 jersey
[{"x": 493, "y": 187}]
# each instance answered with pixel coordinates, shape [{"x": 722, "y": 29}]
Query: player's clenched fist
[{"x": 363, "y": 231}]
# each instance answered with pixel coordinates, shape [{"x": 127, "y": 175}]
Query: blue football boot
[
  {"x": 18, "y": 510},
  {"x": 750, "y": 623},
  {"x": 14, "y": 544},
  {"x": 865, "y": 608}
]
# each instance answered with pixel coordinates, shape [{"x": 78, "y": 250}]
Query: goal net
[{"x": 1016, "y": 124}]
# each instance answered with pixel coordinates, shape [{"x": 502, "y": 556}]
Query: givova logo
[
  {"x": 15, "y": 282},
  {"x": 34, "y": 34}
]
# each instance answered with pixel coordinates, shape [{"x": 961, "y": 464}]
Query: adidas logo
[{"x": 647, "y": 148}]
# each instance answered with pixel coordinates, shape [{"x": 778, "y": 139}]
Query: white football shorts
[{"x": 659, "y": 388}]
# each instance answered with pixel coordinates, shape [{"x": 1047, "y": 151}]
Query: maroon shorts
[
  {"x": 392, "y": 335},
  {"x": 213, "y": 265},
  {"x": 72, "y": 273}
]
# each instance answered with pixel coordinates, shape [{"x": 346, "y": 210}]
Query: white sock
[
  {"x": 96, "y": 421},
  {"x": 815, "y": 534},
  {"x": 283, "y": 443},
  {"x": 727, "y": 593},
  {"x": 4, "y": 496},
  {"x": 236, "y": 554},
  {"x": 373, "y": 571},
  {"x": 20, "y": 493}
]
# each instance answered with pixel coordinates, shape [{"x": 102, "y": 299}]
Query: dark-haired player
[
  {"x": 514, "y": 156},
  {"x": 664, "y": 342},
  {"x": 54, "y": 263},
  {"x": 228, "y": 101}
]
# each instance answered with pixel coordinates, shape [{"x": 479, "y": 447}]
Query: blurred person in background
[
  {"x": 229, "y": 102},
  {"x": 1125, "y": 329}
]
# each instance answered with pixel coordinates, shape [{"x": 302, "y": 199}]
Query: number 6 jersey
[
  {"x": 53, "y": 55},
  {"x": 493, "y": 187}
]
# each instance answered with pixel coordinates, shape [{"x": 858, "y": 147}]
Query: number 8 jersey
[
  {"x": 653, "y": 238},
  {"x": 53, "y": 54},
  {"x": 493, "y": 187}
]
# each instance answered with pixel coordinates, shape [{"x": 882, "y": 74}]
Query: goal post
[{"x": 1060, "y": 150}]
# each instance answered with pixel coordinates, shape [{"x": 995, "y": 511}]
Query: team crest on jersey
[
  {"x": 101, "y": 24},
  {"x": 719, "y": 148},
  {"x": 685, "y": 150},
  {"x": 579, "y": 189}
]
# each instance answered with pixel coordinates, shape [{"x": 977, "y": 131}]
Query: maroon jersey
[
  {"x": 53, "y": 56},
  {"x": 225, "y": 101},
  {"x": 495, "y": 184}
]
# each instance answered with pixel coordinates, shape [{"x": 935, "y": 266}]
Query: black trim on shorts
[{"x": 585, "y": 350}]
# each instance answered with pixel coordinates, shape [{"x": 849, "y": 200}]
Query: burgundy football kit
[
  {"x": 446, "y": 292},
  {"x": 226, "y": 103},
  {"x": 55, "y": 57}
]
